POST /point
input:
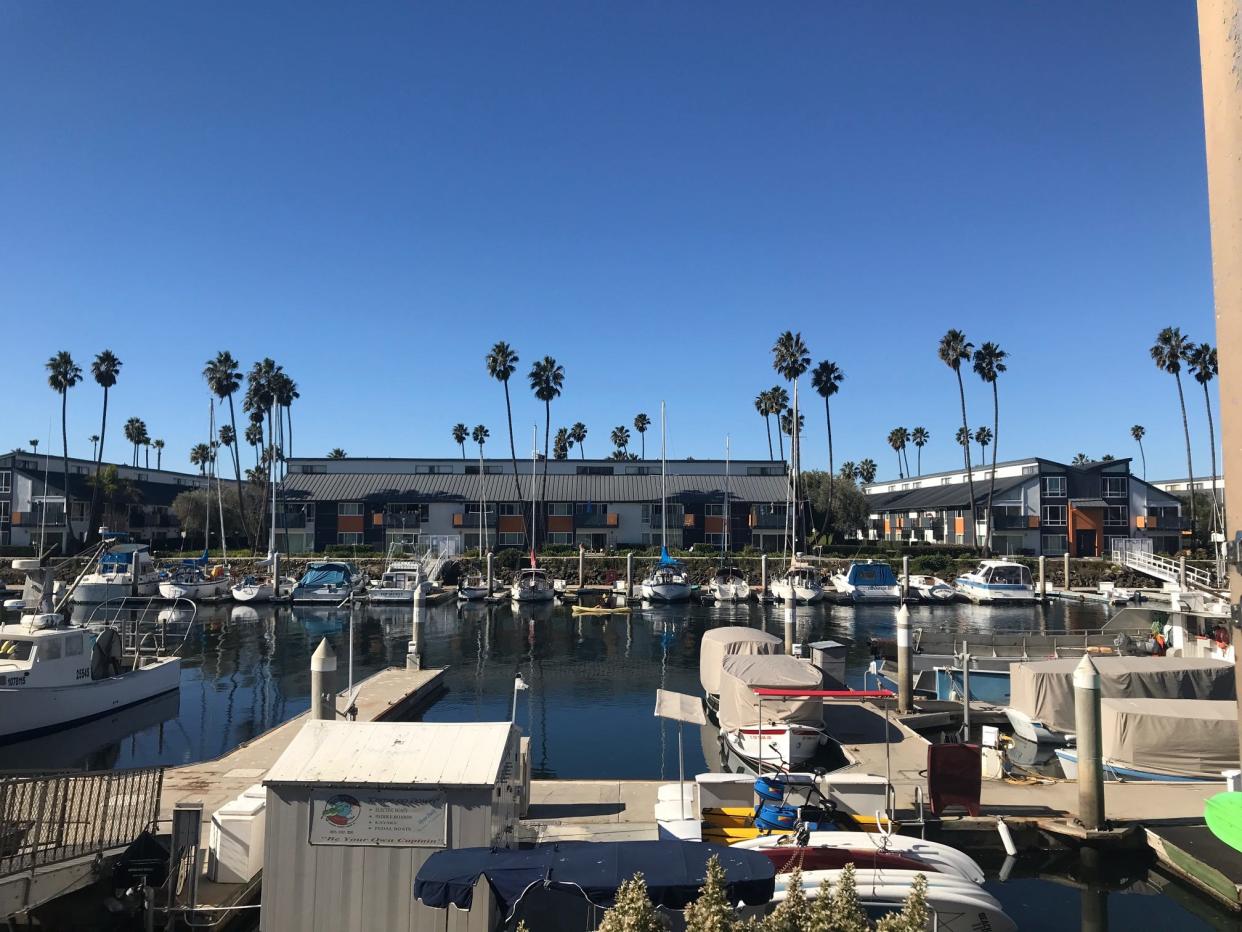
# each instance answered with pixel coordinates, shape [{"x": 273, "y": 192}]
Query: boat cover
[
  {"x": 674, "y": 871},
  {"x": 724, "y": 642},
  {"x": 666, "y": 560},
  {"x": 1182, "y": 737},
  {"x": 871, "y": 574},
  {"x": 326, "y": 574},
  {"x": 740, "y": 707},
  {"x": 122, "y": 554},
  {"x": 1045, "y": 690}
]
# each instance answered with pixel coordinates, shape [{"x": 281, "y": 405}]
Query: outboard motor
[{"x": 106, "y": 655}]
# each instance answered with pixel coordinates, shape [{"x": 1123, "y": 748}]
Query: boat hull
[
  {"x": 260, "y": 592},
  {"x": 937, "y": 856},
  {"x": 196, "y": 591},
  {"x": 334, "y": 596},
  {"x": 877, "y": 595},
  {"x": 92, "y": 593},
  {"x": 804, "y": 595},
  {"x": 1068, "y": 758},
  {"x": 773, "y": 747},
  {"x": 980, "y": 592},
  {"x": 729, "y": 591},
  {"x": 666, "y": 592},
  {"x": 472, "y": 593},
  {"x": 531, "y": 594},
  {"x": 1031, "y": 730}
]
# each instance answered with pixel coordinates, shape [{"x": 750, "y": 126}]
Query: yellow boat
[
  {"x": 599, "y": 610},
  {"x": 732, "y": 824}
]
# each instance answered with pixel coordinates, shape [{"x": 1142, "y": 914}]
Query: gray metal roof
[
  {"x": 459, "y": 487},
  {"x": 954, "y": 495}
]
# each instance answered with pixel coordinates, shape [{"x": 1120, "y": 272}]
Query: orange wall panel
[
  {"x": 349, "y": 523},
  {"x": 713, "y": 525},
  {"x": 511, "y": 524},
  {"x": 560, "y": 523},
  {"x": 959, "y": 525}
]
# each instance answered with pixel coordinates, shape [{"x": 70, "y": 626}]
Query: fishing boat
[
  {"x": 668, "y": 582},
  {"x": 868, "y": 581},
  {"x": 801, "y": 583},
  {"x": 772, "y": 734},
  {"x": 818, "y": 851},
  {"x": 997, "y": 581},
  {"x": 124, "y": 569},
  {"x": 729, "y": 641},
  {"x": 932, "y": 589},
  {"x": 329, "y": 582},
  {"x": 55, "y": 673},
  {"x": 405, "y": 580}
]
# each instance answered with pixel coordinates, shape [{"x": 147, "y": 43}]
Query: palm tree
[
  {"x": 787, "y": 423},
  {"x": 1138, "y": 432},
  {"x": 763, "y": 405},
  {"x": 34, "y": 446},
  {"x": 159, "y": 449},
  {"x": 254, "y": 437},
  {"x": 1201, "y": 360},
  {"x": 1107, "y": 458},
  {"x": 460, "y": 434},
  {"x": 962, "y": 437},
  {"x": 895, "y": 441},
  {"x": 955, "y": 349},
  {"x": 621, "y": 440},
  {"x": 826, "y": 378},
  {"x": 983, "y": 436},
  {"x": 1168, "y": 353},
  {"x": 578, "y": 434},
  {"x": 1080, "y": 459},
  {"x": 562, "y": 443},
  {"x": 989, "y": 364},
  {"x": 200, "y": 456},
  {"x": 867, "y": 471},
  {"x": 94, "y": 442},
  {"x": 336, "y": 453},
  {"x": 105, "y": 368},
  {"x": 62, "y": 374},
  {"x": 905, "y": 439},
  {"x": 501, "y": 363},
  {"x": 546, "y": 379},
  {"x": 790, "y": 358},
  {"x": 224, "y": 377},
  {"x": 778, "y": 401},
  {"x": 284, "y": 394},
  {"x": 146, "y": 451},
  {"x": 641, "y": 423},
  {"x": 133, "y": 431},
  {"x": 849, "y": 470},
  {"x": 479, "y": 435},
  {"x": 919, "y": 437}
]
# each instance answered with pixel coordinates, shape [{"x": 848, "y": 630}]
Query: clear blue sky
[{"x": 374, "y": 193}]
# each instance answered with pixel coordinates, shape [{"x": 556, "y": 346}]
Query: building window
[
  {"x": 427, "y": 470},
  {"x": 947, "y": 480},
  {"x": 6, "y": 480},
  {"x": 561, "y": 509},
  {"x": 349, "y": 538},
  {"x": 1029, "y": 470},
  {"x": 651, "y": 514},
  {"x": 1054, "y": 487},
  {"x": 349, "y": 509},
  {"x": 509, "y": 539},
  {"x": 640, "y": 470},
  {"x": 509, "y": 509},
  {"x": 4, "y": 513},
  {"x": 714, "y": 540},
  {"x": 1053, "y": 516},
  {"x": 1114, "y": 486},
  {"x": 493, "y": 470},
  {"x": 714, "y": 511},
  {"x": 473, "y": 508},
  {"x": 560, "y": 537},
  {"x": 1054, "y": 544},
  {"x": 309, "y": 469},
  {"x": 407, "y": 512},
  {"x": 765, "y": 470},
  {"x": 595, "y": 470},
  {"x": 1116, "y": 515}
]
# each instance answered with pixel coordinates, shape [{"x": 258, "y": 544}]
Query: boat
[
  {"x": 55, "y": 673},
  {"x": 668, "y": 582},
  {"x": 404, "y": 582},
  {"x": 124, "y": 569},
  {"x": 532, "y": 584},
  {"x": 775, "y": 734},
  {"x": 868, "y": 581},
  {"x": 801, "y": 582},
  {"x": 328, "y": 581},
  {"x": 473, "y": 588},
  {"x": 729, "y": 584},
  {"x": 932, "y": 589},
  {"x": 816, "y": 846},
  {"x": 272, "y": 587},
  {"x": 599, "y": 610},
  {"x": 997, "y": 581},
  {"x": 193, "y": 580},
  {"x": 1163, "y": 740},
  {"x": 1041, "y": 702},
  {"x": 729, "y": 641}
]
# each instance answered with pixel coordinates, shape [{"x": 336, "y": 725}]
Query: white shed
[{"x": 355, "y": 808}]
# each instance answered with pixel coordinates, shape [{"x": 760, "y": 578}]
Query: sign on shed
[{"x": 384, "y": 818}]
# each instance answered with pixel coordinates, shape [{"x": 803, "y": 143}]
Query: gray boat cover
[
  {"x": 739, "y": 706},
  {"x": 1180, "y": 737},
  {"x": 1045, "y": 690},
  {"x": 720, "y": 643}
]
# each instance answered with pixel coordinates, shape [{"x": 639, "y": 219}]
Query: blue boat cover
[
  {"x": 325, "y": 574},
  {"x": 665, "y": 559},
  {"x": 197, "y": 561},
  {"x": 871, "y": 574},
  {"x": 674, "y": 871}
]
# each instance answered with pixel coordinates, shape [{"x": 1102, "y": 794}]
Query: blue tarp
[
  {"x": 326, "y": 574},
  {"x": 674, "y": 872},
  {"x": 197, "y": 561},
  {"x": 871, "y": 574},
  {"x": 666, "y": 560}
]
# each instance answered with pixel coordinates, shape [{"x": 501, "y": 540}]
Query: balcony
[
  {"x": 766, "y": 520},
  {"x": 1015, "y": 522},
  {"x": 589, "y": 519},
  {"x": 468, "y": 521},
  {"x": 1162, "y": 522}
]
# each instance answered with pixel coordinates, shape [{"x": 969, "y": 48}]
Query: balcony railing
[
  {"x": 585, "y": 519},
  {"x": 1163, "y": 522},
  {"x": 766, "y": 520},
  {"x": 1014, "y": 522}
]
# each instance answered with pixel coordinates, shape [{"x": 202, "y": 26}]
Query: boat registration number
[{"x": 84, "y": 673}]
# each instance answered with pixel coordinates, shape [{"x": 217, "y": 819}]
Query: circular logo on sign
[{"x": 341, "y": 810}]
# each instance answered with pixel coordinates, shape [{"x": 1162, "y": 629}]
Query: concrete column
[
  {"x": 763, "y": 575},
  {"x": 1066, "y": 560},
  {"x": 1181, "y": 572},
  {"x": 1043, "y": 577},
  {"x": 905, "y": 578},
  {"x": 490, "y": 575},
  {"x": 414, "y": 653},
  {"x": 581, "y": 566},
  {"x": 629, "y": 575},
  {"x": 791, "y": 622},
  {"x": 1087, "y": 728},
  {"x": 323, "y": 682},
  {"x": 905, "y": 662}
]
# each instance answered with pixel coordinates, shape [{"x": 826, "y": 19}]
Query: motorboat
[
  {"x": 932, "y": 589},
  {"x": 54, "y": 673},
  {"x": 193, "y": 580},
  {"x": 124, "y": 569},
  {"x": 729, "y": 585},
  {"x": 329, "y": 581},
  {"x": 770, "y": 733},
  {"x": 668, "y": 582},
  {"x": 868, "y": 581},
  {"x": 997, "y": 581},
  {"x": 729, "y": 641},
  {"x": 473, "y": 588},
  {"x": 816, "y": 851},
  {"x": 532, "y": 584},
  {"x": 403, "y": 581},
  {"x": 801, "y": 582}
]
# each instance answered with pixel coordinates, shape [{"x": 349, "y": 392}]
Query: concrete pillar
[
  {"x": 763, "y": 575},
  {"x": 323, "y": 682},
  {"x": 629, "y": 575},
  {"x": 414, "y": 653},
  {"x": 1093, "y": 915},
  {"x": 905, "y": 578},
  {"x": 1087, "y": 728},
  {"x": 1043, "y": 577},
  {"x": 1181, "y": 572},
  {"x": 581, "y": 565},
  {"x": 905, "y": 662},
  {"x": 791, "y": 622},
  {"x": 490, "y": 575},
  {"x": 1066, "y": 560}
]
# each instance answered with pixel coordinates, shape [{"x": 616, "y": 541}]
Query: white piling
[
  {"x": 490, "y": 574},
  {"x": 1088, "y": 744},
  {"x": 763, "y": 575},
  {"x": 905, "y": 662},
  {"x": 1043, "y": 577},
  {"x": 323, "y": 685},
  {"x": 905, "y": 577}
]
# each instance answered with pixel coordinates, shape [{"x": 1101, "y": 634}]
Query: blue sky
[{"x": 374, "y": 193}]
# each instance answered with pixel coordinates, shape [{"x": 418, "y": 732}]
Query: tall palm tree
[
  {"x": 105, "y": 369},
  {"x": 920, "y": 437},
  {"x": 200, "y": 456},
  {"x": 460, "y": 434},
  {"x": 336, "y": 453},
  {"x": 146, "y": 451},
  {"x": 34, "y": 445},
  {"x": 284, "y": 394},
  {"x": 1080, "y": 459},
  {"x": 905, "y": 440},
  {"x": 159, "y": 450},
  {"x": 790, "y": 358},
  {"x": 254, "y": 437},
  {"x": 262, "y": 382},
  {"x": 562, "y": 443},
  {"x": 989, "y": 363},
  {"x": 1202, "y": 362},
  {"x": 955, "y": 349},
  {"x": 1168, "y": 353},
  {"x": 224, "y": 377},
  {"x": 895, "y": 441},
  {"x": 826, "y": 378},
  {"x": 867, "y": 471},
  {"x": 479, "y": 435},
  {"x": 94, "y": 442},
  {"x": 621, "y": 440},
  {"x": 546, "y": 378},
  {"x": 501, "y": 363},
  {"x": 133, "y": 433},
  {"x": 787, "y": 426},
  {"x": 641, "y": 423},
  {"x": 62, "y": 374},
  {"x": 1138, "y": 432},
  {"x": 983, "y": 436},
  {"x": 963, "y": 438},
  {"x": 778, "y": 401},
  {"x": 848, "y": 470},
  {"x": 578, "y": 434},
  {"x": 763, "y": 405}
]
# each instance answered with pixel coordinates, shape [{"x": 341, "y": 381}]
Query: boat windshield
[
  {"x": 15, "y": 650},
  {"x": 1011, "y": 575}
]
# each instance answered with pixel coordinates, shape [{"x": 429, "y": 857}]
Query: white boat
[
  {"x": 770, "y": 734},
  {"x": 719, "y": 643},
  {"x": 932, "y": 589},
  {"x": 868, "y": 581},
  {"x": 54, "y": 673},
  {"x": 997, "y": 581},
  {"x": 801, "y": 582},
  {"x": 472, "y": 588},
  {"x": 531, "y": 584},
  {"x": 329, "y": 582},
  {"x": 402, "y": 582},
  {"x": 124, "y": 569},
  {"x": 729, "y": 585},
  {"x": 262, "y": 589},
  {"x": 938, "y": 857},
  {"x": 668, "y": 582},
  {"x": 193, "y": 581}
]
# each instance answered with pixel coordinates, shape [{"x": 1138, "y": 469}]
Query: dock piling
[
  {"x": 1065, "y": 583},
  {"x": 414, "y": 653},
  {"x": 323, "y": 686},
  {"x": 581, "y": 566},
  {"x": 905, "y": 577},
  {"x": 1043, "y": 578},
  {"x": 905, "y": 662},
  {"x": 791, "y": 621},
  {"x": 1087, "y": 725},
  {"x": 490, "y": 575},
  {"x": 1181, "y": 572},
  {"x": 629, "y": 575},
  {"x": 763, "y": 575}
]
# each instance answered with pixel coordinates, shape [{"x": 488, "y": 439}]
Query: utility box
[
  {"x": 355, "y": 808},
  {"x": 829, "y": 656},
  {"x": 236, "y": 841}
]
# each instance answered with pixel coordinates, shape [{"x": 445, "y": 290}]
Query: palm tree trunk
[
  {"x": 970, "y": 476},
  {"x": 1207, "y": 401},
  {"x": 289, "y": 418},
  {"x": 543, "y": 487},
  {"x": 147, "y": 451},
  {"x": 64, "y": 440},
  {"x": 1143, "y": 454},
  {"x": 236, "y": 454},
  {"x": 159, "y": 458},
  {"x": 1190, "y": 471},
  {"x": 512, "y": 449},
  {"x": 581, "y": 450},
  {"x": 828, "y": 513},
  {"x": 987, "y": 546},
  {"x": 642, "y": 436},
  {"x": 767, "y": 422},
  {"x": 780, "y": 438},
  {"x": 918, "y": 459},
  {"x": 96, "y": 498}
]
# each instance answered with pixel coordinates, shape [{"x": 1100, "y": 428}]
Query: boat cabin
[
  {"x": 42, "y": 651},
  {"x": 999, "y": 573}
]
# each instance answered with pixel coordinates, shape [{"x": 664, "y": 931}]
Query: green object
[{"x": 1223, "y": 814}]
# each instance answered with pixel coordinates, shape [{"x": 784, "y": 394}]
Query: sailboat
[
  {"x": 532, "y": 584},
  {"x": 728, "y": 585},
  {"x": 272, "y": 588},
  {"x": 668, "y": 581},
  {"x": 191, "y": 579},
  {"x": 474, "y": 586},
  {"x": 801, "y": 582}
]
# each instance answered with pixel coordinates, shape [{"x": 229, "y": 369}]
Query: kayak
[{"x": 599, "y": 610}]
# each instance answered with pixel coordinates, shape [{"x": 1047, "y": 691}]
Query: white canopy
[
  {"x": 720, "y": 643},
  {"x": 679, "y": 707},
  {"x": 740, "y": 707}
]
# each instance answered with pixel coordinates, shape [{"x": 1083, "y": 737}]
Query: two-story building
[
  {"x": 599, "y": 504},
  {"x": 1039, "y": 506}
]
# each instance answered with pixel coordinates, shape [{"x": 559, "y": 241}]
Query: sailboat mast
[
  {"x": 534, "y": 520},
  {"x": 725, "y": 549},
  {"x": 663, "y": 479},
  {"x": 793, "y": 437},
  {"x": 482, "y": 505},
  {"x": 224, "y": 549}
]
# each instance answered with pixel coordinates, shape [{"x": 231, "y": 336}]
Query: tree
[
  {"x": 546, "y": 378},
  {"x": 146, "y": 451},
  {"x": 62, "y": 374},
  {"x": 962, "y": 437},
  {"x": 159, "y": 449},
  {"x": 200, "y": 456},
  {"x": 953, "y": 351},
  {"x": 632, "y": 910},
  {"x": 336, "y": 453},
  {"x": 914, "y": 915},
  {"x": 1202, "y": 362},
  {"x": 562, "y": 443},
  {"x": 920, "y": 437},
  {"x": 848, "y": 471},
  {"x": 479, "y": 435},
  {"x": 254, "y": 437},
  {"x": 1168, "y": 353},
  {"x": 778, "y": 401},
  {"x": 1107, "y": 458},
  {"x": 641, "y": 423},
  {"x": 113, "y": 491},
  {"x": 1138, "y": 432},
  {"x": 578, "y": 434},
  {"x": 867, "y": 471},
  {"x": 621, "y": 440},
  {"x": 850, "y": 508},
  {"x": 93, "y": 439},
  {"x": 712, "y": 911},
  {"x": 134, "y": 430},
  {"x": 826, "y": 378},
  {"x": 989, "y": 363},
  {"x": 763, "y": 405},
  {"x": 983, "y": 436},
  {"x": 793, "y": 913},
  {"x": 224, "y": 377},
  {"x": 1080, "y": 459},
  {"x": 787, "y": 426},
  {"x": 34, "y": 445},
  {"x": 461, "y": 433},
  {"x": 791, "y": 359},
  {"x": 501, "y": 363},
  {"x": 895, "y": 441},
  {"x": 105, "y": 369},
  {"x": 844, "y": 908},
  {"x": 284, "y": 394}
]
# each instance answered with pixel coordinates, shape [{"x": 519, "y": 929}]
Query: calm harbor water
[{"x": 589, "y": 708}]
